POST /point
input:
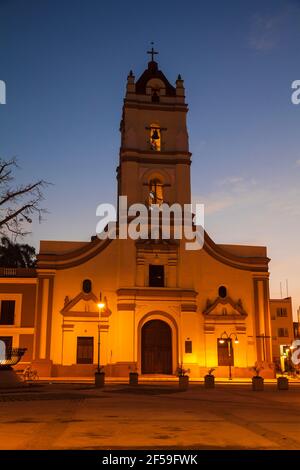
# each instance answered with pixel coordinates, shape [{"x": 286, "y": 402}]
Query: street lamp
[
  {"x": 228, "y": 339},
  {"x": 101, "y": 306}
]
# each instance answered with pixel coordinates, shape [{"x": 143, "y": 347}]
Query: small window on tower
[
  {"x": 155, "y": 192},
  {"x": 155, "y": 138}
]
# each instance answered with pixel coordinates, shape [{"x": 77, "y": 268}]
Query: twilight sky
[{"x": 65, "y": 64}]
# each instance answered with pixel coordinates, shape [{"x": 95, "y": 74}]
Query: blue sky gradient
[{"x": 65, "y": 65}]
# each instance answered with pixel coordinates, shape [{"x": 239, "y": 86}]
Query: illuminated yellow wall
[{"x": 114, "y": 268}]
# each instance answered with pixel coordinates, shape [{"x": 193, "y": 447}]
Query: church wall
[
  {"x": 117, "y": 342},
  {"x": 206, "y": 275},
  {"x": 120, "y": 342},
  {"x": 103, "y": 271}
]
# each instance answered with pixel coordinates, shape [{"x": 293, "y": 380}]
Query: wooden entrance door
[
  {"x": 85, "y": 350},
  {"x": 225, "y": 353},
  {"x": 156, "y": 348}
]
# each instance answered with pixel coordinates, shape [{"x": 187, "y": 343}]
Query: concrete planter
[
  {"x": 209, "y": 381},
  {"x": 282, "y": 383},
  {"x": 99, "y": 379},
  {"x": 183, "y": 382},
  {"x": 257, "y": 383},
  {"x": 133, "y": 378}
]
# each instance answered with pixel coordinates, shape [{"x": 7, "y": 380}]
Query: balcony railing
[{"x": 17, "y": 272}]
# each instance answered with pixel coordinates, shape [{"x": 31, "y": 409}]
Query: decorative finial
[
  {"x": 152, "y": 52},
  {"x": 179, "y": 77},
  {"x": 130, "y": 73}
]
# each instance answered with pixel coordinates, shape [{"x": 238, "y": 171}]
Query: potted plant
[
  {"x": 100, "y": 378},
  {"x": 282, "y": 381},
  {"x": 183, "y": 377},
  {"x": 257, "y": 380},
  {"x": 133, "y": 376},
  {"x": 209, "y": 379}
]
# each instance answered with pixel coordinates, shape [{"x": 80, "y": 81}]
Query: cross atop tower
[{"x": 152, "y": 52}]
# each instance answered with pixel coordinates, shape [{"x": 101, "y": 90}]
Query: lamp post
[
  {"x": 100, "y": 305},
  {"x": 227, "y": 337}
]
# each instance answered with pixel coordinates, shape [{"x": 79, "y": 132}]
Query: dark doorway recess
[{"x": 156, "y": 348}]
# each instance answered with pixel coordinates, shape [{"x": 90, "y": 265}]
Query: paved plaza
[{"x": 150, "y": 416}]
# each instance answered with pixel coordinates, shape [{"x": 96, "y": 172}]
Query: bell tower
[{"x": 155, "y": 160}]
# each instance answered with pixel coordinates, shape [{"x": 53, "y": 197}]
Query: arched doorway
[{"x": 156, "y": 348}]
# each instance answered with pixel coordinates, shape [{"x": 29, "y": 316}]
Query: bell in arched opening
[{"x": 155, "y": 138}]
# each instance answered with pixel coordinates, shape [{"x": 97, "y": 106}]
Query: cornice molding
[
  {"x": 181, "y": 107},
  {"x": 155, "y": 153},
  {"x": 160, "y": 292}
]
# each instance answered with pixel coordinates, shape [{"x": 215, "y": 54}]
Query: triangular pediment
[
  {"x": 83, "y": 305},
  {"x": 224, "y": 308}
]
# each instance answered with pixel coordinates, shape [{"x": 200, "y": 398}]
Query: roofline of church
[{"x": 91, "y": 249}]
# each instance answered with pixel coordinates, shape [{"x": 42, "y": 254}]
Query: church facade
[{"x": 154, "y": 305}]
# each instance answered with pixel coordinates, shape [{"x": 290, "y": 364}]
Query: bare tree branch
[
  {"x": 30, "y": 188},
  {"x": 19, "y": 203},
  {"x": 7, "y": 164}
]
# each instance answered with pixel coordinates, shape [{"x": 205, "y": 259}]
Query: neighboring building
[
  {"x": 297, "y": 325},
  {"x": 165, "y": 305},
  {"x": 18, "y": 288},
  {"x": 282, "y": 328}
]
